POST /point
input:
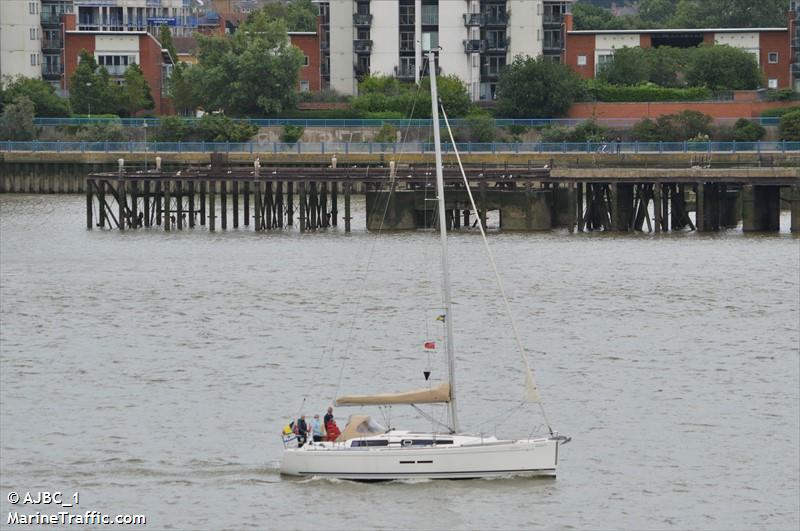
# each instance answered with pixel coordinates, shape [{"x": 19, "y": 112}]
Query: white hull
[{"x": 469, "y": 458}]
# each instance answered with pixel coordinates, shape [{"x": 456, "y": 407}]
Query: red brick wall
[
  {"x": 580, "y": 45},
  {"x": 151, "y": 61},
  {"x": 309, "y": 46},
  {"x": 149, "y": 57},
  {"x": 776, "y": 41},
  {"x": 74, "y": 43},
  {"x": 637, "y": 111}
]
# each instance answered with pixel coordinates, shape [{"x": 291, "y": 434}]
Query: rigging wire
[{"x": 489, "y": 253}]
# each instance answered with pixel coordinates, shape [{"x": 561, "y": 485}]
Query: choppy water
[{"x": 152, "y": 371}]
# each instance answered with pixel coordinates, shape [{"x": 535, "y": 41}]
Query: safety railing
[
  {"x": 599, "y": 148},
  {"x": 361, "y": 123}
]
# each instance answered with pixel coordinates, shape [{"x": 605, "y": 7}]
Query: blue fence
[
  {"x": 357, "y": 123},
  {"x": 599, "y": 148}
]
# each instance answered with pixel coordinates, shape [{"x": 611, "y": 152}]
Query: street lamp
[{"x": 88, "y": 86}]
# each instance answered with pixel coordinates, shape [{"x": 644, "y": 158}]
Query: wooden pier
[{"x": 527, "y": 198}]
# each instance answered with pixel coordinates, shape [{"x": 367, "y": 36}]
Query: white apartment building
[
  {"x": 135, "y": 15},
  {"x": 473, "y": 39},
  {"x": 20, "y": 38}
]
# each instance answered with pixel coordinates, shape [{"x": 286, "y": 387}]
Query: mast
[{"x": 448, "y": 320}]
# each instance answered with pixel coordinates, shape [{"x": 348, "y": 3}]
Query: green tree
[
  {"x": 723, "y": 67},
  {"x": 292, "y": 133},
  {"x": 453, "y": 95},
  {"x": 667, "y": 65},
  {"x": 299, "y": 15},
  {"x": 45, "y": 100},
  {"x": 220, "y": 128},
  {"x": 135, "y": 94},
  {"x": 182, "y": 90},
  {"x": 252, "y": 72},
  {"x": 16, "y": 122},
  {"x": 532, "y": 88},
  {"x": 729, "y": 14},
  {"x": 588, "y": 17},
  {"x": 683, "y": 126},
  {"x": 91, "y": 88},
  {"x": 173, "y": 129},
  {"x": 629, "y": 66},
  {"x": 646, "y": 131},
  {"x": 746, "y": 131},
  {"x": 102, "y": 132},
  {"x": 165, "y": 38},
  {"x": 789, "y": 127},
  {"x": 656, "y": 13}
]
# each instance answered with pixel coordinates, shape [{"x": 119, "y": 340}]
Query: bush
[
  {"x": 746, "y": 131},
  {"x": 646, "y": 131},
  {"x": 785, "y": 94},
  {"x": 102, "y": 132},
  {"x": 517, "y": 131},
  {"x": 292, "y": 133},
  {"x": 777, "y": 113},
  {"x": 220, "y": 128},
  {"x": 536, "y": 88},
  {"x": 588, "y": 131},
  {"x": 555, "y": 133},
  {"x": 325, "y": 95},
  {"x": 387, "y": 134},
  {"x": 599, "y": 91},
  {"x": 173, "y": 129},
  {"x": 481, "y": 127},
  {"x": 789, "y": 127},
  {"x": 16, "y": 122}
]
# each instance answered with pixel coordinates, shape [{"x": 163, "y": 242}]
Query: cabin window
[{"x": 367, "y": 442}]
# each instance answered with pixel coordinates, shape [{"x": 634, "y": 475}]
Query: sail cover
[{"x": 438, "y": 394}]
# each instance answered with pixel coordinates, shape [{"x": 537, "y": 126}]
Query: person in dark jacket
[{"x": 301, "y": 430}]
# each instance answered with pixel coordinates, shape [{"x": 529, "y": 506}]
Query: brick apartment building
[
  {"x": 587, "y": 51},
  {"x": 116, "y": 51}
]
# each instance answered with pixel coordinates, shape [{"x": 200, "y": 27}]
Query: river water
[{"x": 152, "y": 372}]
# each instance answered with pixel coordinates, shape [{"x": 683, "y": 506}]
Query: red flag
[{"x": 430, "y": 345}]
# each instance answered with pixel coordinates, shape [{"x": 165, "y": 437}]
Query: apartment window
[
  {"x": 430, "y": 40},
  {"x": 33, "y": 8},
  {"x": 305, "y": 60},
  {"x": 305, "y": 86},
  {"x": 116, "y": 65},
  {"x": 34, "y": 59},
  {"x": 581, "y": 60},
  {"x": 33, "y": 34},
  {"x": 496, "y": 38},
  {"x": 772, "y": 57},
  {"x": 406, "y": 41},
  {"x": 430, "y": 15},
  {"x": 362, "y": 8},
  {"x": 363, "y": 34},
  {"x": 602, "y": 61},
  {"x": 772, "y": 83},
  {"x": 407, "y": 15},
  {"x": 552, "y": 39},
  {"x": 407, "y": 66},
  {"x": 494, "y": 63}
]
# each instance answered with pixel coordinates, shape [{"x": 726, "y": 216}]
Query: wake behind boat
[{"x": 365, "y": 450}]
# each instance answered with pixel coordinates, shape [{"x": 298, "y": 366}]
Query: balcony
[
  {"x": 52, "y": 71},
  {"x": 362, "y": 46},
  {"x": 362, "y": 21},
  {"x": 360, "y": 71},
  {"x": 325, "y": 46},
  {"x": 52, "y": 45},
  {"x": 490, "y": 74},
  {"x": 325, "y": 70},
  {"x": 497, "y": 20},
  {"x": 796, "y": 69},
  {"x": 553, "y": 46},
  {"x": 474, "y": 46},
  {"x": 553, "y": 20},
  {"x": 51, "y": 19},
  {"x": 499, "y": 45},
  {"x": 405, "y": 73},
  {"x": 473, "y": 19}
]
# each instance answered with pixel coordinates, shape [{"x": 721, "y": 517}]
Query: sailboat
[{"x": 367, "y": 451}]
